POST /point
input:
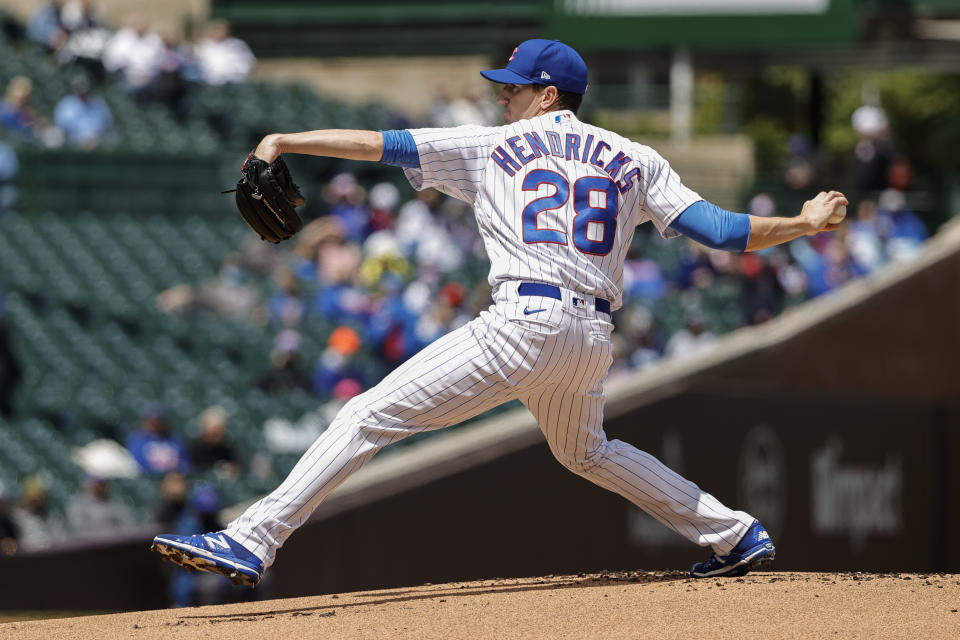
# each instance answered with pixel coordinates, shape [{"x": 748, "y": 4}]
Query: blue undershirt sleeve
[
  {"x": 399, "y": 149},
  {"x": 714, "y": 227}
]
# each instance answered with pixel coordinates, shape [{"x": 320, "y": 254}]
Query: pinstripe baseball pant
[{"x": 553, "y": 356}]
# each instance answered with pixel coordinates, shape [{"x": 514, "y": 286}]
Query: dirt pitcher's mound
[{"x": 615, "y": 605}]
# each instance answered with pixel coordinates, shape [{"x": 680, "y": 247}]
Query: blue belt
[{"x": 550, "y": 291}]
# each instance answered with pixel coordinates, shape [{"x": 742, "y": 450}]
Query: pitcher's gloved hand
[{"x": 267, "y": 197}]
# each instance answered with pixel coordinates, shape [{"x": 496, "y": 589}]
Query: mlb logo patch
[
  {"x": 560, "y": 117},
  {"x": 578, "y": 303}
]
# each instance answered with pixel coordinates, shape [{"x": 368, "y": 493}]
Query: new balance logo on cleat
[{"x": 219, "y": 541}]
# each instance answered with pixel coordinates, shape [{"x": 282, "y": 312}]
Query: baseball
[{"x": 838, "y": 215}]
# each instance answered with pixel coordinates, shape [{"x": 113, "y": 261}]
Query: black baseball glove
[{"x": 266, "y": 197}]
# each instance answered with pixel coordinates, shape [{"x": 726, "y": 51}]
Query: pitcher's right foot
[{"x": 214, "y": 552}]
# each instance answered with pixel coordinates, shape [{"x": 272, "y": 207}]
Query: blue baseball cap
[{"x": 546, "y": 62}]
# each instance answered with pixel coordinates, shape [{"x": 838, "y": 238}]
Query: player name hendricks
[{"x": 531, "y": 146}]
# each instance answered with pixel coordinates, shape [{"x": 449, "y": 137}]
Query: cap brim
[{"x": 505, "y": 76}]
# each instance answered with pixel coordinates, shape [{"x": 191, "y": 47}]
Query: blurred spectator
[
  {"x": 638, "y": 349},
  {"x": 762, "y": 205},
  {"x": 341, "y": 297},
  {"x": 285, "y": 373},
  {"x": 46, "y": 27},
  {"x": 229, "y": 295},
  {"x": 16, "y": 112},
  {"x": 900, "y": 176},
  {"x": 692, "y": 340},
  {"x": 10, "y": 370},
  {"x": 92, "y": 512},
  {"x": 107, "y": 458},
  {"x": 906, "y": 231},
  {"x": 39, "y": 526},
  {"x": 172, "y": 75},
  {"x": 644, "y": 279},
  {"x": 337, "y": 261},
  {"x": 874, "y": 151},
  {"x": 695, "y": 268},
  {"x": 18, "y": 115},
  {"x": 284, "y": 436},
  {"x": 383, "y": 260},
  {"x": 259, "y": 258},
  {"x": 82, "y": 117},
  {"x": 285, "y": 306},
  {"x": 840, "y": 268},
  {"x": 347, "y": 202},
  {"x": 761, "y": 294},
  {"x": 153, "y": 447},
  {"x": 222, "y": 58},
  {"x": 78, "y": 15},
  {"x": 173, "y": 500},
  {"x": 440, "y": 108},
  {"x": 188, "y": 588},
  {"x": 203, "y": 512},
  {"x": 87, "y": 36},
  {"x": 9, "y": 532},
  {"x": 827, "y": 269},
  {"x": 422, "y": 233},
  {"x": 313, "y": 239},
  {"x": 440, "y": 317},
  {"x": 342, "y": 392},
  {"x": 384, "y": 198},
  {"x": 135, "y": 53},
  {"x": 210, "y": 450},
  {"x": 476, "y": 108},
  {"x": 473, "y": 108},
  {"x": 865, "y": 237},
  {"x": 338, "y": 361},
  {"x": 799, "y": 173}
]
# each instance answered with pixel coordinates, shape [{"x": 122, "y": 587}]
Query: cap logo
[
  {"x": 544, "y": 75},
  {"x": 513, "y": 54}
]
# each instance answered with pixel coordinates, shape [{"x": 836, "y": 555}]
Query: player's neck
[{"x": 543, "y": 112}]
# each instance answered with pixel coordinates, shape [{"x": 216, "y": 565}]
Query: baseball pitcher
[{"x": 556, "y": 201}]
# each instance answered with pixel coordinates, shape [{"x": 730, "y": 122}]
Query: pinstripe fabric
[{"x": 551, "y": 354}]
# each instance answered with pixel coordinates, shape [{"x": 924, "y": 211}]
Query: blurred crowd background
[{"x": 159, "y": 362}]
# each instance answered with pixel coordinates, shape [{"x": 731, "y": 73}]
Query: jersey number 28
[{"x": 594, "y": 201}]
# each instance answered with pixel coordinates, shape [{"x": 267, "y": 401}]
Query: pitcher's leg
[
  {"x": 455, "y": 378},
  {"x": 665, "y": 495},
  {"x": 570, "y": 413}
]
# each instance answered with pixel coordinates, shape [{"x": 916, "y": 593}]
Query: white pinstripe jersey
[{"x": 556, "y": 200}]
